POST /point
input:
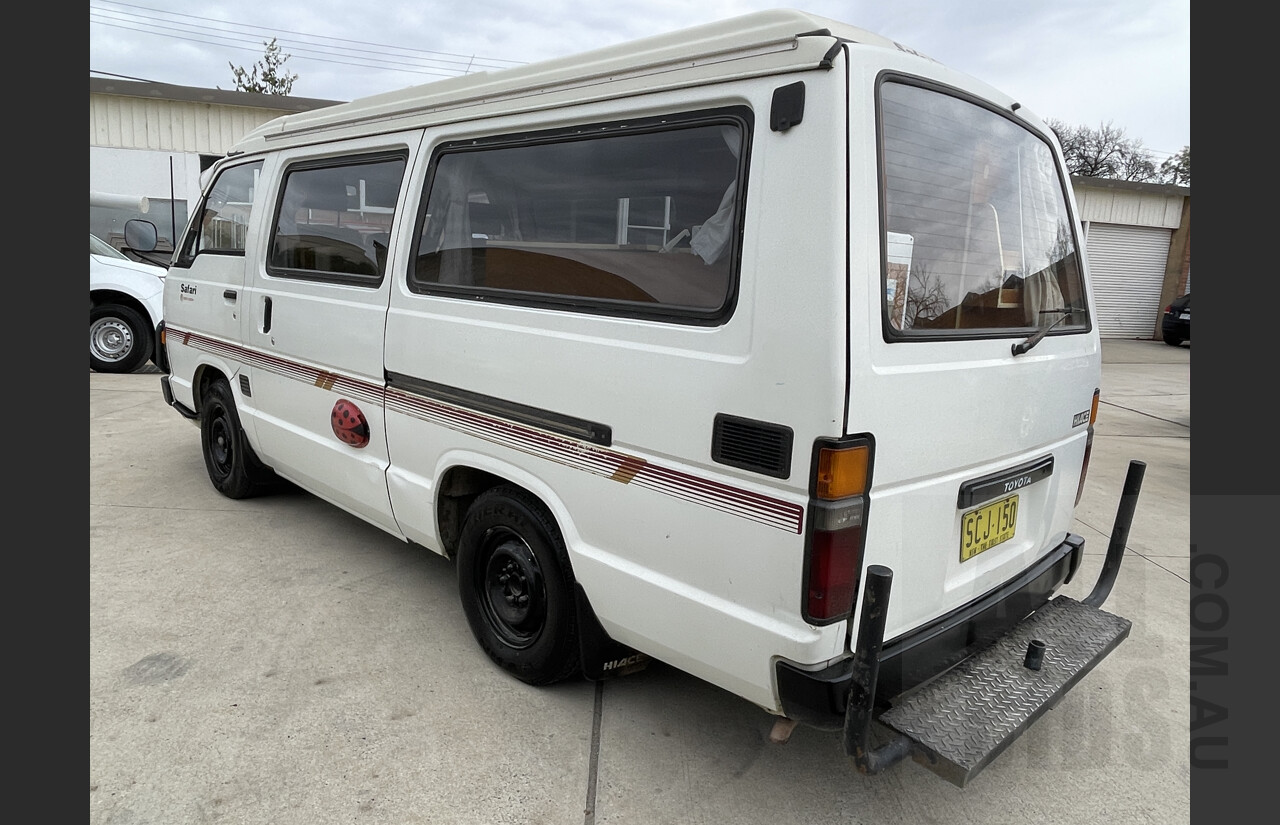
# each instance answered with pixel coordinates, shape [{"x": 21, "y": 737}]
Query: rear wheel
[
  {"x": 234, "y": 469},
  {"x": 516, "y": 586},
  {"x": 119, "y": 339},
  {"x": 1172, "y": 340}
]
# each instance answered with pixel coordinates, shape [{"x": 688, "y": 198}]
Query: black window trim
[
  {"x": 739, "y": 115},
  {"x": 185, "y": 258},
  {"x": 895, "y": 336},
  {"x": 328, "y": 162}
]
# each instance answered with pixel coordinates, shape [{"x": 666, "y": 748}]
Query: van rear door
[{"x": 977, "y": 362}]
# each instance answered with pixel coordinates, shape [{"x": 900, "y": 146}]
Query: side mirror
[{"x": 140, "y": 235}]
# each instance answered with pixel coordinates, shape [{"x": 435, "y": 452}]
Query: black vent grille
[
  {"x": 244, "y": 386},
  {"x": 752, "y": 445}
]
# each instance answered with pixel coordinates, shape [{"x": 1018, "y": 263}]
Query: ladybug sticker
[{"x": 349, "y": 424}]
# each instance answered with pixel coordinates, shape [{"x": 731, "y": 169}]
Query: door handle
[
  {"x": 229, "y": 294},
  {"x": 266, "y": 315}
]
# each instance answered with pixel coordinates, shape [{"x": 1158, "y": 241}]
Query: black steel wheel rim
[
  {"x": 510, "y": 587},
  {"x": 220, "y": 442}
]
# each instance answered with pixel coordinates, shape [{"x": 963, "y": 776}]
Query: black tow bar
[
  {"x": 866, "y": 671},
  {"x": 1119, "y": 534}
]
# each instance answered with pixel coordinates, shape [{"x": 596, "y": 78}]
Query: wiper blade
[{"x": 1025, "y": 346}]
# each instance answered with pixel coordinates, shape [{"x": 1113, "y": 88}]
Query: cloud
[{"x": 1085, "y": 63}]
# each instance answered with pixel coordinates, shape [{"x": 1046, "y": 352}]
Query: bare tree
[
  {"x": 1138, "y": 166},
  {"x": 1177, "y": 169},
  {"x": 926, "y": 298},
  {"x": 1106, "y": 152},
  {"x": 268, "y": 75}
]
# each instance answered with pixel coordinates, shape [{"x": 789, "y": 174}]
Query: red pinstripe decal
[{"x": 580, "y": 455}]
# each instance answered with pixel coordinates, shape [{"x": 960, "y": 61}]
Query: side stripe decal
[{"x": 580, "y": 455}]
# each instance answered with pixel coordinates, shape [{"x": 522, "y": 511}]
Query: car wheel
[
  {"x": 1172, "y": 340},
  {"x": 233, "y": 467},
  {"x": 517, "y": 587},
  {"x": 119, "y": 339}
]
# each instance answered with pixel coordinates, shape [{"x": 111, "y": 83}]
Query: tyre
[
  {"x": 119, "y": 339},
  {"x": 233, "y": 467},
  {"x": 516, "y": 586},
  {"x": 1172, "y": 340}
]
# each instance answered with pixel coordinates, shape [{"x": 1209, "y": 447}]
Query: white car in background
[{"x": 125, "y": 307}]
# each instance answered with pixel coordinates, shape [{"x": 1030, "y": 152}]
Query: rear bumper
[
  {"x": 820, "y": 698},
  {"x": 954, "y": 694}
]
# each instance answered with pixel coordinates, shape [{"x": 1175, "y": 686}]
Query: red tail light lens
[
  {"x": 839, "y": 481},
  {"x": 1084, "y": 468},
  {"x": 833, "y": 574},
  {"x": 1088, "y": 446}
]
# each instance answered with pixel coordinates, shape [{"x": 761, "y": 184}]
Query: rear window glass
[
  {"x": 978, "y": 237},
  {"x": 641, "y": 222}
]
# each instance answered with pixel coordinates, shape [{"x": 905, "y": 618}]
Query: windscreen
[{"x": 978, "y": 235}]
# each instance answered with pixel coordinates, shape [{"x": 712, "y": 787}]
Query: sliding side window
[
  {"x": 334, "y": 220},
  {"x": 638, "y": 219}
]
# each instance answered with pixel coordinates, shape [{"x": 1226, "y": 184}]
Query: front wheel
[
  {"x": 233, "y": 467},
  {"x": 516, "y": 586},
  {"x": 119, "y": 339}
]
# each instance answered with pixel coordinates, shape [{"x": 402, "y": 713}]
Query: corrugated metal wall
[
  {"x": 1097, "y": 202},
  {"x": 170, "y": 125},
  {"x": 1127, "y": 264}
]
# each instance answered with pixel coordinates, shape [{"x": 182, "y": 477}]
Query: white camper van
[{"x": 765, "y": 349}]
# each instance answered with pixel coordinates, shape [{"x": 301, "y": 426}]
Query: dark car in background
[{"x": 1175, "y": 326}]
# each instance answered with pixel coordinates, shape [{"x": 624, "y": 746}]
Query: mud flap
[{"x": 602, "y": 657}]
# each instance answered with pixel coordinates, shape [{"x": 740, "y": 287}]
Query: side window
[
  {"x": 334, "y": 220},
  {"x": 223, "y": 220},
  {"x": 640, "y": 219}
]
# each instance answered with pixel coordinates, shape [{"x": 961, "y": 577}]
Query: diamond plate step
[{"x": 965, "y": 718}]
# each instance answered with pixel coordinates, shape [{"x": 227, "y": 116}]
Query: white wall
[{"x": 144, "y": 173}]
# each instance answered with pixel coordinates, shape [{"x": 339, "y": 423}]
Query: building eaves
[
  {"x": 1089, "y": 182},
  {"x": 193, "y": 94}
]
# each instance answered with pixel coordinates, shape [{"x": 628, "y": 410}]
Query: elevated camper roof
[{"x": 755, "y": 44}]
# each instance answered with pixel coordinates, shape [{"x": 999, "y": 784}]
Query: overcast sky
[{"x": 1126, "y": 63}]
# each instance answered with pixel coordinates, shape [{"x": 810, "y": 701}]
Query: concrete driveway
[{"x": 279, "y": 661}]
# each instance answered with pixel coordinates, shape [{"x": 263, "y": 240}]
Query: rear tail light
[
  {"x": 840, "y": 478},
  {"x": 1088, "y": 446}
]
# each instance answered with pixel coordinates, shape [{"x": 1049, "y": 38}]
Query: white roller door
[{"x": 1127, "y": 264}]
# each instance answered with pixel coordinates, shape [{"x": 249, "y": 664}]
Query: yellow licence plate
[{"x": 987, "y": 526}]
